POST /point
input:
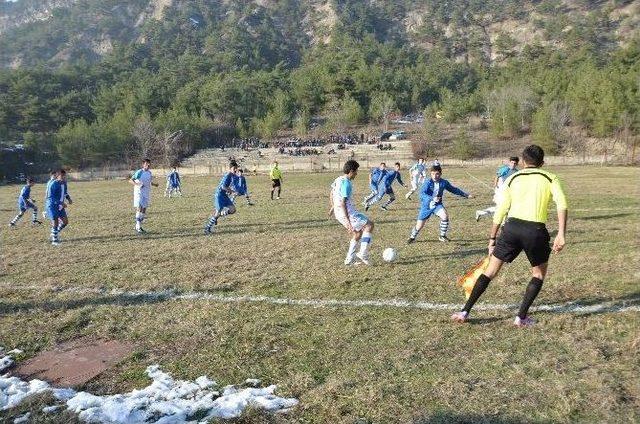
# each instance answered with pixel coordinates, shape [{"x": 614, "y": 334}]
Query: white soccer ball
[{"x": 390, "y": 254}]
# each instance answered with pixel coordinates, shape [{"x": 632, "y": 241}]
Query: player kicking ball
[
  {"x": 431, "y": 203},
  {"x": 142, "y": 180},
  {"x": 222, "y": 203},
  {"x": 25, "y": 202},
  {"x": 356, "y": 223}
]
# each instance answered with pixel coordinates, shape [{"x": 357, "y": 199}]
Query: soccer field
[{"x": 241, "y": 303}]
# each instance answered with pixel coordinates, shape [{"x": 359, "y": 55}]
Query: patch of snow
[
  {"x": 5, "y": 362},
  {"x": 50, "y": 409},
  {"x": 164, "y": 401},
  {"x": 22, "y": 418}
]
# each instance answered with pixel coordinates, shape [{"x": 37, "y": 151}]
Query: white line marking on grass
[{"x": 613, "y": 306}]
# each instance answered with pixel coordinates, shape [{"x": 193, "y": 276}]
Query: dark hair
[
  {"x": 54, "y": 172},
  {"x": 146, "y": 160},
  {"x": 240, "y": 170},
  {"x": 533, "y": 155},
  {"x": 350, "y": 165},
  {"x": 62, "y": 171},
  {"x": 382, "y": 163},
  {"x": 30, "y": 180},
  {"x": 515, "y": 159},
  {"x": 398, "y": 163},
  {"x": 435, "y": 168},
  {"x": 233, "y": 164}
]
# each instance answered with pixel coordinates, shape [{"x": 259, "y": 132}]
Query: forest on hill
[{"x": 86, "y": 82}]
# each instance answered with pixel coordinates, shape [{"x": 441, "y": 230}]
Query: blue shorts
[
  {"x": 426, "y": 211},
  {"x": 53, "y": 212},
  {"x": 23, "y": 206},
  {"x": 221, "y": 200},
  {"x": 388, "y": 190},
  {"x": 176, "y": 185}
]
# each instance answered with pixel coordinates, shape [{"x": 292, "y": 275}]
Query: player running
[
  {"x": 240, "y": 187},
  {"x": 375, "y": 178},
  {"x": 222, "y": 204},
  {"x": 504, "y": 172},
  {"x": 431, "y": 196},
  {"x": 386, "y": 187},
  {"x": 418, "y": 174},
  {"x": 356, "y": 223},
  {"x": 25, "y": 202}
]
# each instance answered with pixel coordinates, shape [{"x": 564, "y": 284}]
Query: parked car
[
  {"x": 398, "y": 135},
  {"x": 385, "y": 136}
]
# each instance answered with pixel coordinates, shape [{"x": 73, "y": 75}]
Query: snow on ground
[{"x": 164, "y": 401}]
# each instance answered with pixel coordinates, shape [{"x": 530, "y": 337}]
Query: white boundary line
[{"x": 613, "y": 306}]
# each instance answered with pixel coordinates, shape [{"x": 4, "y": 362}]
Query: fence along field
[{"x": 344, "y": 363}]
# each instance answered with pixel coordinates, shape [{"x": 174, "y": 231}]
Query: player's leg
[
  {"x": 536, "y": 246},
  {"x": 15, "y": 220},
  {"x": 353, "y": 246},
  {"x": 374, "y": 193},
  {"x": 479, "y": 288},
  {"x": 414, "y": 186},
  {"x": 365, "y": 240},
  {"x": 55, "y": 238},
  {"x": 34, "y": 215},
  {"x": 249, "y": 202},
  {"x": 441, "y": 212},
  {"x": 279, "y": 188},
  {"x": 423, "y": 215},
  {"x": 63, "y": 220},
  {"x": 485, "y": 212},
  {"x": 392, "y": 198}
]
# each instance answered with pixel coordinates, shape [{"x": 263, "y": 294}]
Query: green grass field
[{"x": 344, "y": 364}]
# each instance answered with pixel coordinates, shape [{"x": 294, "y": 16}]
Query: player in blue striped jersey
[
  {"x": 63, "y": 218},
  {"x": 386, "y": 187},
  {"x": 431, "y": 195},
  {"x": 240, "y": 187},
  {"x": 55, "y": 205},
  {"x": 25, "y": 202},
  {"x": 222, "y": 203},
  {"x": 173, "y": 183},
  {"x": 375, "y": 179}
]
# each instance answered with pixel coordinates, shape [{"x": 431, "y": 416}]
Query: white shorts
[
  {"x": 140, "y": 201},
  {"x": 415, "y": 182},
  {"x": 358, "y": 220}
]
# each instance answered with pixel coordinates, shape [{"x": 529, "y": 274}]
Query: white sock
[
  {"x": 353, "y": 245},
  {"x": 138, "y": 220},
  {"x": 365, "y": 241}
]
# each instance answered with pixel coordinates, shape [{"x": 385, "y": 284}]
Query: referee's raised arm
[{"x": 524, "y": 203}]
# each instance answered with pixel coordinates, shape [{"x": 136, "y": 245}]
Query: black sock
[
  {"x": 529, "y": 296},
  {"x": 481, "y": 285},
  {"x": 271, "y": 194}
]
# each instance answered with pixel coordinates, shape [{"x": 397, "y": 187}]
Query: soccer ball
[{"x": 390, "y": 254}]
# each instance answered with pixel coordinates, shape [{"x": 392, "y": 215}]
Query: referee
[
  {"x": 276, "y": 180},
  {"x": 525, "y": 201}
]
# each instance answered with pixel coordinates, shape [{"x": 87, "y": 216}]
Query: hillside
[{"x": 54, "y": 32}]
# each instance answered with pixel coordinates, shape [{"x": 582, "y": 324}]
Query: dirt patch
[{"x": 75, "y": 363}]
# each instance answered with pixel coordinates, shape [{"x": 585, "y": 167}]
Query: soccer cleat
[
  {"x": 444, "y": 239},
  {"x": 207, "y": 231},
  {"x": 411, "y": 240},
  {"x": 460, "y": 317},
  {"x": 55, "y": 242},
  {"x": 384, "y": 208},
  {"x": 366, "y": 207},
  {"x": 350, "y": 261},
  {"x": 140, "y": 230},
  {"x": 524, "y": 322},
  {"x": 36, "y": 222},
  {"x": 477, "y": 216},
  {"x": 364, "y": 258},
  {"x": 278, "y": 198},
  {"x": 250, "y": 203},
  {"x": 12, "y": 224}
]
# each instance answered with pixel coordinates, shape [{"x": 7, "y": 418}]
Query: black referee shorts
[
  {"x": 275, "y": 183},
  {"x": 518, "y": 235}
]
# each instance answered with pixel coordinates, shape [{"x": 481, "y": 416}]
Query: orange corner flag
[{"x": 468, "y": 280}]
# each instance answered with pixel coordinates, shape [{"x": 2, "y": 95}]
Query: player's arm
[
  {"x": 495, "y": 181},
  {"x": 457, "y": 191},
  {"x": 560, "y": 200},
  {"x": 400, "y": 180},
  {"x": 134, "y": 179}
]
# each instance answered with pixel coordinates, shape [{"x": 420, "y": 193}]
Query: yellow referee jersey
[
  {"x": 527, "y": 194},
  {"x": 275, "y": 173}
]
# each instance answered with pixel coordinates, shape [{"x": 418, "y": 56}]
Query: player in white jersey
[
  {"x": 356, "y": 223},
  {"x": 418, "y": 173},
  {"x": 142, "y": 180},
  {"x": 504, "y": 172}
]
